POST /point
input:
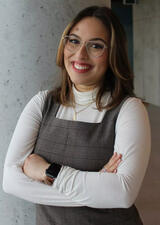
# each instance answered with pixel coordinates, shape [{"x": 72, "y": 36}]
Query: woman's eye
[
  {"x": 97, "y": 46},
  {"x": 74, "y": 41}
]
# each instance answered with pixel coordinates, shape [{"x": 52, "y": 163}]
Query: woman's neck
[
  {"x": 84, "y": 88},
  {"x": 84, "y": 97}
]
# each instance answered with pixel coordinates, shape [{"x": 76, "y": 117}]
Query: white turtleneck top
[{"x": 82, "y": 188}]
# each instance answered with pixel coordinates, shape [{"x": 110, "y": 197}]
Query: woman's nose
[{"x": 82, "y": 52}]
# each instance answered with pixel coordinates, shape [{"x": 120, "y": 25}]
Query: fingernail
[{"x": 103, "y": 170}]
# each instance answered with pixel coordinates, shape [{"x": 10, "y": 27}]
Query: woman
[{"x": 81, "y": 151}]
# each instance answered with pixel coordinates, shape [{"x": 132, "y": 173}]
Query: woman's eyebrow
[
  {"x": 98, "y": 39},
  {"x": 93, "y": 39}
]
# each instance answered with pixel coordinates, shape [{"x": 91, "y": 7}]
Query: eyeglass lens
[{"x": 94, "y": 48}]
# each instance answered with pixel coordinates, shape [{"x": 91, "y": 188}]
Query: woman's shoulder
[
  {"x": 132, "y": 107},
  {"x": 36, "y": 103},
  {"x": 40, "y": 97},
  {"x": 132, "y": 102},
  {"x": 44, "y": 99}
]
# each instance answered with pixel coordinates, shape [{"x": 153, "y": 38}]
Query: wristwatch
[{"x": 53, "y": 170}]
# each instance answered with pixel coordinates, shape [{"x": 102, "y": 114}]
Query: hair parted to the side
[{"x": 118, "y": 79}]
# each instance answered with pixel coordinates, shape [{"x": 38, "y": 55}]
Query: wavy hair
[{"x": 118, "y": 79}]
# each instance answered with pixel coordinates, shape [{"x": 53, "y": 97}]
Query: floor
[{"x": 148, "y": 201}]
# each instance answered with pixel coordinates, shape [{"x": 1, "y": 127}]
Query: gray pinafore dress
[{"x": 83, "y": 146}]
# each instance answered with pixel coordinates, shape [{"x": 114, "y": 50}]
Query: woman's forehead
[{"x": 90, "y": 27}]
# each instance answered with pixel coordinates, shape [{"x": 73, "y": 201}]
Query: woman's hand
[
  {"x": 35, "y": 166},
  {"x": 112, "y": 165}
]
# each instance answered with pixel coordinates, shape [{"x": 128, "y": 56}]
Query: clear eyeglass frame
[{"x": 74, "y": 49}]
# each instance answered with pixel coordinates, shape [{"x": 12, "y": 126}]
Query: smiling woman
[
  {"x": 80, "y": 152},
  {"x": 87, "y": 63},
  {"x": 118, "y": 77}
]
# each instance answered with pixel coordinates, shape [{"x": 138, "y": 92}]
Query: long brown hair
[{"x": 118, "y": 79}]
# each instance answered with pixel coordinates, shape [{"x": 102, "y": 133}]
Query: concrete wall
[
  {"x": 146, "y": 20},
  {"x": 148, "y": 201},
  {"x": 146, "y": 17},
  {"x": 29, "y": 36}
]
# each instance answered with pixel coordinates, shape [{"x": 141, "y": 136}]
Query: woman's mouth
[{"x": 81, "y": 67}]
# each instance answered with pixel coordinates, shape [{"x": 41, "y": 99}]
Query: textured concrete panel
[
  {"x": 29, "y": 36},
  {"x": 147, "y": 50},
  {"x": 148, "y": 201}
]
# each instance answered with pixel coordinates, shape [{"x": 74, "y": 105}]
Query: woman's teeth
[{"x": 80, "y": 67}]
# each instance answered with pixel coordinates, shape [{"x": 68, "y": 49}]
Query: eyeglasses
[{"x": 94, "y": 48}]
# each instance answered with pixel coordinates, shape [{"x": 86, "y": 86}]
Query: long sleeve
[
  {"x": 109, "y": 190},
  {"x": 14, "y": 180},
  {"x": 73, "y": 187}
]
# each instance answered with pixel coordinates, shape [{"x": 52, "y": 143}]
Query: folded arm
[
  {"x": 19, "y": 153},
  {"x": 73, "y": 187},
  {"x": 22, "y": 144},
  {"x": 109, "y": 190}
]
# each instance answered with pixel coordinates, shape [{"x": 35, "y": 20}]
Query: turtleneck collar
[{"x": 84, "y": 97}]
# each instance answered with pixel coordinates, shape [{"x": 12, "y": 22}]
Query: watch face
[
  {"x": 50, "y": 175},
  {"x": 53, "y": 170}
]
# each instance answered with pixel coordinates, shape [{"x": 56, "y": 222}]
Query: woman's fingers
[
  {"x": 113, "y": 163},
  {"x": 114, "y": 159},
  {"x": 115, "y": 171},
  {"x": 114, "y": 166}
]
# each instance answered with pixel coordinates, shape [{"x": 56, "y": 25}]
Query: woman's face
[{"x": 86, "y": 71}]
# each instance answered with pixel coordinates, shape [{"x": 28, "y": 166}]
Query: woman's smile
[{"x": 80, "y": 67}]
